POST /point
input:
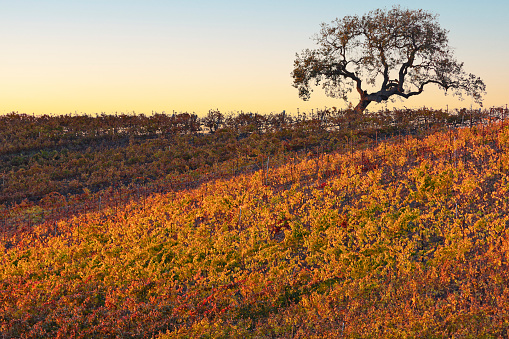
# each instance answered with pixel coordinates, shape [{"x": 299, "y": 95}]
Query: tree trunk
[{"x": 361, "y": 106}]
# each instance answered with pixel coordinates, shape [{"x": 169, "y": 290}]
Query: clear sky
[{"x": 194, "y": 55}]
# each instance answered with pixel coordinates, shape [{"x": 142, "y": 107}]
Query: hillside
[
  {"x": 54, "y": 167},
  {"x": 408, "y": 238},
  {"x": 73, "y": 154}
]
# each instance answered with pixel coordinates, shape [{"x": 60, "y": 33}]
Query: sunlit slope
[{"x": 408, "y": 239}]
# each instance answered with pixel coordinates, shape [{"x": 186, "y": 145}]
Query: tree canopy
[{"x": 395, "y": 52}]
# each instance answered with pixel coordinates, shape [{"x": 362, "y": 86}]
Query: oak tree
[{"x": 395, "y": 52}]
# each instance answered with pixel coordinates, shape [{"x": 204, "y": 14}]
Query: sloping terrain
[{"x": 408, "y": 239}]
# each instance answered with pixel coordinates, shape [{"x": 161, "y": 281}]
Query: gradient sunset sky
[{"x": 109, "y": 56}]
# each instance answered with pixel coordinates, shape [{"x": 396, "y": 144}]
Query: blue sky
[{"x": 123, "y": 56}]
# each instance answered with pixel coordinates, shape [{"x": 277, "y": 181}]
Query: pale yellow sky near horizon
[{"x": 112, "y": 56}]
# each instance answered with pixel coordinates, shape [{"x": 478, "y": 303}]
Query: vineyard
[
  {"x": 394, "y": 224},
  {"x": 56, "y": 166}
]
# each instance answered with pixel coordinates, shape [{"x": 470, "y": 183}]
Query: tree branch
[{"x": 421, "y": 88}]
